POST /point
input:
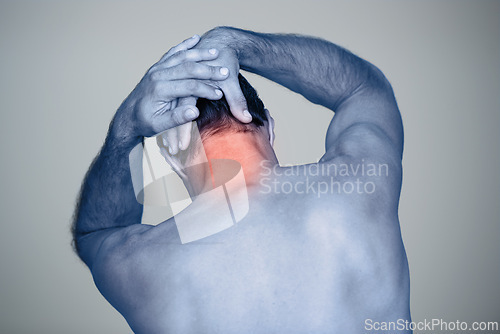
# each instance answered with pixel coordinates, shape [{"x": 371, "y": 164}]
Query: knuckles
[
  {"x": 190, "y": 68},
  {"x": 191, "y": 85},
  {"x": 155, "y": 75},
  {"x": 179, "y": 56},
  {"x": 155, "y": 88},
  {"x": 158, "y": 85}
]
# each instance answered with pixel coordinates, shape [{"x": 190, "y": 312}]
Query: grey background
[{"x": 66, "y": 66}]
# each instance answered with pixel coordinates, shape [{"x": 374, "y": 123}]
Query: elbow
[
  {"x": 375, "y": 79},
  {"x": 78, "y": 245},
  {"x": 84, "y": 244},
  {"x": 76, "y": 235}
]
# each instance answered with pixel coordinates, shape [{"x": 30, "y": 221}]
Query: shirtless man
[{"x": 312, "y": 260}]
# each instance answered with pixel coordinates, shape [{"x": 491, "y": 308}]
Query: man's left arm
[{"x": 107, "y": 202}]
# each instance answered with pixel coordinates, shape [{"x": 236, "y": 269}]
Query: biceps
[{"x": 370, "y": 114}]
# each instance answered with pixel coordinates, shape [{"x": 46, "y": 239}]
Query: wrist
[
  {"x": 222, "y": 38},
  {"x": 247, "y": 46},
  {"x": 217, "y": 37},
  {"x": 122, "y": 130}
]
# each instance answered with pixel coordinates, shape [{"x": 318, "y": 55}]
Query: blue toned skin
[
  {"x": 299, "y": 261},
  {"x": 107, "y": 203}
]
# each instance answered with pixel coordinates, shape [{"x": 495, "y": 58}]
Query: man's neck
[{"x": 252, "y": 151}]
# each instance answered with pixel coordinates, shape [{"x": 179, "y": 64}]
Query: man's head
[
  {"x": 222, "y": 136},
  {"x": 215, "y": 116}
]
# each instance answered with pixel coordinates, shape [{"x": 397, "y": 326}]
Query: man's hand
[
  {"x": 221, "y": 39},
  {"x": 153, "y": 106},
  {"x": 178, "y": 138}
]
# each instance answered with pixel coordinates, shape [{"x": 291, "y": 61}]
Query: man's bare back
[
  {"x": 319, "y": 250},
  {"x": 295, "y": 262}
]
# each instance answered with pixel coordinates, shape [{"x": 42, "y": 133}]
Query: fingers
[
  {"x": 173, "y": 162},
  {"x": 178, "y": 138},
  {"x": 184, "y": 130},
  {"x": 161, "y": 140},
  {"x": 184, "y": 135},
  {"x": 185, "y": 88},
  {"x": 191, "y": 70},
  {"x": 184, "y": 45},
  {"x": 236, "y": 101},
  {"x": 172, "y": 119},
  {"x": 171, "y": 141},
  {"x": 194, "y": 55}
]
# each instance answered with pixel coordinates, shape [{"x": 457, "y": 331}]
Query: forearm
[
  {"x": 322, "y": 72},
  {"x": 107, "y": 198}
]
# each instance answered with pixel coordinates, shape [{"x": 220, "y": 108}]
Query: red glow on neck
[{"x": 241, "y": 146}]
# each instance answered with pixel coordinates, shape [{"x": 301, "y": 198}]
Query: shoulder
[
  {"x": 91, "y": 246},
  {"x": 121, "y": 266},
  {"x": 127, "y": 244},
  {"x": 125, "y": 252},
  {"x": 371, "y": 178},
  {"x": 370, "y": 183}
]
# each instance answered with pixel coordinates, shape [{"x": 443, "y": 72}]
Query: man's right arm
[
  {"x": 107, "y": 204},
  {"x": 367, "y": 121}
]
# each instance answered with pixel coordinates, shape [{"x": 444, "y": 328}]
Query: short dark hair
[{"x": 215, "y": 116}]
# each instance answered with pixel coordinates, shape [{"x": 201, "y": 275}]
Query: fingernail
[
  {"x": 224, "y": 71},
  {"x": 170, "y": 150},
  {"x": 190, "y": 113},
  {"x": 212, "y": 51},
  {"x": 218, "y": 92},
  {"x": 165, "y": 142},
  {"x": 195, "y": 36},
  {"x": 180, "y": 145},
  {"x": 247, "y": 114}
]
